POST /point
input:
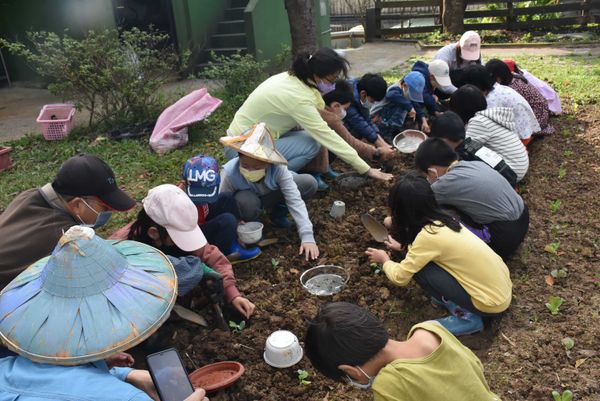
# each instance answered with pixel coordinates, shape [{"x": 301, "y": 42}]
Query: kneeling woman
[{"x": 449, "y": 262}]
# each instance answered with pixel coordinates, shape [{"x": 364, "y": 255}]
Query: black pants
[
  {"x": 508, "y": 235},
  {"x": 438, "y": 283},
  {"x": 220, "y": 228}
]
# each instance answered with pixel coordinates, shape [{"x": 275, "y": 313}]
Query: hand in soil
[
  {"x": 379, "y": 175},
  {"x": 387, "y": 152},
  {"x": 392, "y": 244},
  {"x": 377, "y": 255},
  {"x": 310, "y": 249},
  {"x": 243, "y": 306}
]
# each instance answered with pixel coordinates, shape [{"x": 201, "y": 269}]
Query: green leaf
[
  {"x": 556, "y": 395},
  {"x": 568, "y": 342},
  {"x": 567, "y": 395},
  {"x": 554, "y": 304}
]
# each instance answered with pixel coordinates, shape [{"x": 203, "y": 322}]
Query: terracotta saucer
[{"x": 217, "y": 376}]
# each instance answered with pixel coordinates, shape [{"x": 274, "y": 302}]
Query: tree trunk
[
  {"x": 302, "y": 25},
  {"x": 453, "y": 13}
]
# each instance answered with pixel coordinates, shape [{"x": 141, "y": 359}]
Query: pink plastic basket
[{"x": 56, "y": 120}]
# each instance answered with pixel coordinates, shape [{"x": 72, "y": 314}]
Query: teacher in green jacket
[{"x": 289, "y": 103}]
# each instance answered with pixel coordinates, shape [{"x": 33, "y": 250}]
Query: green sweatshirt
[{"x": 283, "y": 102}]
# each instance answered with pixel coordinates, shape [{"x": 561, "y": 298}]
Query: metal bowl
[
  {"x": 324, "y": 280},
  {"x": 409, "y": 140}
]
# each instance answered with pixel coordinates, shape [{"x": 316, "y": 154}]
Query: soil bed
[{"x": 522, "y": 353}]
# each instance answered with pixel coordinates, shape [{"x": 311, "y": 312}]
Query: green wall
[
  {"x": 268, "y": 29},
  {"x": 195, "y": 21},
  {"x": 78, "y": 16}
]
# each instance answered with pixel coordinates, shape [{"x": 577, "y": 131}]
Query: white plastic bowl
[
  {"x": 250, "y": 233},
  {"x": 282, "y": 349}
]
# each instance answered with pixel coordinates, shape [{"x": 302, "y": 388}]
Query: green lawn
[{"x": 577, "y": 78}]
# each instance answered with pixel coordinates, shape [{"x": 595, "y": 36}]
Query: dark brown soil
[{"x": 522, "y": 353}]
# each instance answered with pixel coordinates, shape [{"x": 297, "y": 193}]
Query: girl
[
  {"x": 449, "y": 262},
  {"x": 293, "y": 99}
]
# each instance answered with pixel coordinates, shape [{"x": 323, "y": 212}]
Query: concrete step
[
  {"x": 228, "y": 40},
  {"x": 238, "y": 3},
  {"x": 234, "y": 26},
  {"x": 234, "y": 13}
]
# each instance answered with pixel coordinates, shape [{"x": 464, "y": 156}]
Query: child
[
  {"x": 401, "y": 100},
  {"x": 168, "y": 221},
  {"x": 449, "y": 262},
  {"x": 259, "y": 179},
  {"x": 477, "y": 192},
  {"x": 367, "y": 90},
  {"x": 218, "y": 214},
  {"x": 436, "y": 75},
  {"x": 345, "y": 341},
  {"x": 546, "y": 90}
]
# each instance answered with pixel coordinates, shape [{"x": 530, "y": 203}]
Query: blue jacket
[
  {"x": 428, "y": 99},
  {"x": 358, "y": 118},
  {"x": 396, "y": 107},
  {"x": 24, "y": 380}
]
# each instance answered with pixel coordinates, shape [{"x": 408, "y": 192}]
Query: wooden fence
[{"x": 508, "y": 15}]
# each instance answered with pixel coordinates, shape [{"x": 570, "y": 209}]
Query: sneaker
[
  {"x": 453, "y": 308},
  {"x": 468, "y": 323},
  {"x": 279, "y": 215},
  {"x": 331, "y": 173},
  {"x": 321, "y": 185},
  {"x": 239, "y": 254}
]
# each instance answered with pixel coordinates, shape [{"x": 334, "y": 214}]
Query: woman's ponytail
[{"x": 322, "y": 63}]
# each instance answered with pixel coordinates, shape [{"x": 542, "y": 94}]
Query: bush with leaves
[
  {"x": 238, "y": 75},
  {"x": 113, "y": 74}
]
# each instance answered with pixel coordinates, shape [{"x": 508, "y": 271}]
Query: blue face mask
[
  {"x": 101, "y": 217},
  {"x": 325, "y": 87},
  {"x": 360, "y": 385}
]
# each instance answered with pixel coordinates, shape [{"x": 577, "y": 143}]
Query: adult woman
[
  {"x": 459, "y": 55},
  {"x": 502, "y": 75},
  {"x": 293, "y": 99}
]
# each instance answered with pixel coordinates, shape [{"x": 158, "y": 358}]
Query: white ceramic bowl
[
  {"x": 250, "y": 233},
  {"x": 282, "y": 349}
]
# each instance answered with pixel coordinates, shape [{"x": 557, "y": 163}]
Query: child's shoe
[
  {"x": 239, "y": 254},
  {"x": 279, "y": 215},
  {"x": 321, "y": 185},
  {"x": 453, "y": 308},
  {"x": 331, "y": 173},
  {"x": 468, "y": 323}
]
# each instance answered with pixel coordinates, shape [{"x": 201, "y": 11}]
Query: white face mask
[
  {"x": 367, "y": 104},
  {"x": 360, "y": 385},
  {"x": 341, "y": 113}
]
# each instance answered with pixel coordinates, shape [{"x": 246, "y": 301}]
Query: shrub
[
  {"x": 238, "y": 76},
  {"x": 115, "y": 75}
]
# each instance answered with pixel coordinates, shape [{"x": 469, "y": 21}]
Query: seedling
[
  {"x": 554, "y": 304},
  {"x": 555, "y": 205},
  {"x": 559, "y": 273},
  {"x": 237, "y": 327},
  {"x": 568, "y": 343},
  {"x": 568, "y": 153},
  {"x": 562, "y": 171},
  {"x": 567, "y": 395},
  {"x": 552, "y": 247},
  {"x": 375, "y": 268},
  {"x": 274, "y": 263},
  {"x": 302, "y": 376}
]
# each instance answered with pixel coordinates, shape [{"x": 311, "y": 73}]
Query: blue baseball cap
[
  {"x": 202, "y": 179},
  {"x": 416, "y": 83}
]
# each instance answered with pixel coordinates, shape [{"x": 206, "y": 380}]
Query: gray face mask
[{"x": 360, "y": 385}]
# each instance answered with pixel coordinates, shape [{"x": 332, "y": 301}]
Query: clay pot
[
  {"x": 5, "y": 160},
  {"x": 217, "y": 376}
]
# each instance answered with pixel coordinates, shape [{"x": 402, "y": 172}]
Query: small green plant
[
  {"x": 559, "y": 273},
  {"x": 562, "y": 171},
  {"x": 568, "y": 343},
  {"x": 567, "y": 395},
  {"x": 274, "y": 263},
  {"x": 375, "y": 268},
  {"x": 568, "y": 153},
  {"x": 302, "y": 376},
  {"x": 552, "y": 247},
  {"x": 554, "y": 304},
  {"x": 555, "y": 205},
  {"x": 237, "y": 327}
]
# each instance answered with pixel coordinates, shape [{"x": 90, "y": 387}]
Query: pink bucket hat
[{"x": 470, "y": 46}]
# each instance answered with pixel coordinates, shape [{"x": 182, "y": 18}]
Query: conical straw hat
[
  {"x": 90, "y": 299},
  {"x": 256, "y": 143}
]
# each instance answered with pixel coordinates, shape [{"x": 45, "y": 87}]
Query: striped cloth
[{"x": 494, "y": 128}]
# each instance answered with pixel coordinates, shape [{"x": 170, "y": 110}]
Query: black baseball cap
[{"x": 88, "y": 175}]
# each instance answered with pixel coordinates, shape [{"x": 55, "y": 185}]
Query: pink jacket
[{"x": 209, "y": 255}]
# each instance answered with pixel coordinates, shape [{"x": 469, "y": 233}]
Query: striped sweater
[{"x": 494, "y": 128}]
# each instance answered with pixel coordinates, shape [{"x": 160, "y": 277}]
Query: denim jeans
[{"x": 220, "y": 227}]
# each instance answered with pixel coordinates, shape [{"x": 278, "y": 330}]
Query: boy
[
  {"x": 437, "y": 75},
  {"x": 218, "y": 214},
  {"x": 369, "y": 89},
  {"x": 345, "y": 341},
  {"x": 401, "y": 100},
  {"x": 259, "y": 179},
  {"x": 476, "y": 191}
]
